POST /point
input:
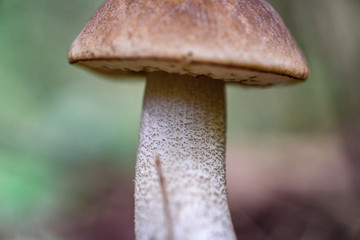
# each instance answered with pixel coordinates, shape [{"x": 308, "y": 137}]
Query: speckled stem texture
[{"x": 180, "y": 185}]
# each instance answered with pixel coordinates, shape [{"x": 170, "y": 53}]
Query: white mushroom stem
[{"x": 180, "y": 184}]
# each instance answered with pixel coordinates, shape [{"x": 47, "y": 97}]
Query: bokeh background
[{"x": 68, "y": 137}]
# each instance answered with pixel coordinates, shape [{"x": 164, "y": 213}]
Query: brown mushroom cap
[{"x": 233, "y": 40}]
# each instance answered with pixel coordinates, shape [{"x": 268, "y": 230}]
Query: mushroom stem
[{"x": 180, "y": 184}]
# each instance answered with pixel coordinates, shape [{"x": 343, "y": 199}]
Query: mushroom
[{"x": 188, "y": 49}]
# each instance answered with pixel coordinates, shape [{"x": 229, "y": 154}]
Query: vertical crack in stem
[{"x": 168, "y": 218}]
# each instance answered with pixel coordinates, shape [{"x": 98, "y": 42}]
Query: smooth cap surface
[{"x": 233, "y": 40}]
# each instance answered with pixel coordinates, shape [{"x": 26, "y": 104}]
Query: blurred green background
[{"x": 68, "y": 137}]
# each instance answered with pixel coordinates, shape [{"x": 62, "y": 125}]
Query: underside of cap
[{"x": 234, "y": 40}]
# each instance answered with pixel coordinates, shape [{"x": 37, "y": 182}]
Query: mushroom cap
[{"x": 234, "y": 40}]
